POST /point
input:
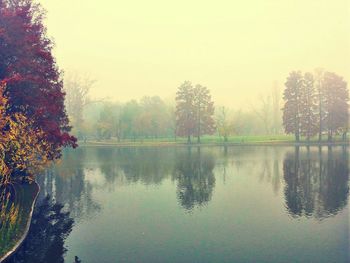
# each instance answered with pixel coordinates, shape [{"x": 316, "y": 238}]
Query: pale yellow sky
[{"x": 235, "y": 48}]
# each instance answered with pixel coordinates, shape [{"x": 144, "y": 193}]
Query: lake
[{"x": 179, "y": 204}]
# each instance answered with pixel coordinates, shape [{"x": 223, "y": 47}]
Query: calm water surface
[{"x": 209, "y": 204}]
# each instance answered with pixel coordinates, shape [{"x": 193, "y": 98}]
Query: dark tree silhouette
[
  {"x": 307, "y": 111},
  {"x": 336, "y": 97},
  {"x": 45, "y": 241},
  {"x": 291, "y": 109},
  {"x": 308, "y": 107},
  {"x": 195, "y": 178},
  {"x": 320, "y": 101},
  {"x": 185, "y": 111},
  {"x": 194, "y": 111},
  {"x": 316, "y": 184},
  {"x": 204, "y": 108}
]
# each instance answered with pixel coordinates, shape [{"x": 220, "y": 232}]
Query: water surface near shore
[{"x": 208, "y": 204}]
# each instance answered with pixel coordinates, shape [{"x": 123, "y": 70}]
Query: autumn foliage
[
  {"x": 194, "y": 111},
  {"x": 34, "y": 85},
  {"x": 33, "y": 118},
  {"x": 22, "y": 149}
]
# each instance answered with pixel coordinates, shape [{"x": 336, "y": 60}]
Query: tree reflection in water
[
  {"x": 66, "y": 183},
  {"x": 195, "y": 178},
  {"x": 316, "y": 184},
  {"x": 191, "y": 168},
  {"x": 45, "y": 241}
]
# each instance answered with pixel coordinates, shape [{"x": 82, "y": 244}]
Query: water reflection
[
  {"x": 316, "y": 182},
  {"x": 111, "y": 186},
  {"x": 191, "y": 169},
  {"x": 45, "y": 241},
  {"x": 195, "y": 178},
  {"x": 148, "y": 166},
  {"x": 315, "y": 179},
  {"x": 66, "y": 183},
  {"x": 15, "y": 206}
]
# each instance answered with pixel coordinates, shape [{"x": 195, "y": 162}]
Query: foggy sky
[{"x": 235, "y": 48}]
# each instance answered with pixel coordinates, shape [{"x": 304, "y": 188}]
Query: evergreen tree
[
  {"x": 336, "y": 96},
  {"x": 320, "y": 102},
  {"x": 308, "y": 107},
  {"x": 291, "y": 109}
]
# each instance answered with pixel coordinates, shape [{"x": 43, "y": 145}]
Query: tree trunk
[
  {"x": 199, "y": 123},
  {"x": 189, "y": 139},
  {"x": 330, "y": 136},
  {"x": 320, "y": 113},
  {"x": 344, "y": 136}
]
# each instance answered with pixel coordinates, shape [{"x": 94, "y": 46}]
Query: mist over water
[{"x": 190, "y": 131}]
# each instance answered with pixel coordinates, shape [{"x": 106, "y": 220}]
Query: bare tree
[
  {"x": 264, "y": 112},
  {"x": 276, "y": 109},
  {"x": 223, "y": 123},
  {"x": 77, "y": 90}
]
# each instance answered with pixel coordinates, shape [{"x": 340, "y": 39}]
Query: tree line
[
  {"x": 190, "y": 113},
  {"x": 316, "y": 104},
  {"x": 313, "y": 104}
]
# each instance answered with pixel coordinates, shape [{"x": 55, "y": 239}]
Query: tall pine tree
[
  {"x": 336, "y": 97},
  {"x": 291, "y": 109},
  {"x": 308, "y": 107}
]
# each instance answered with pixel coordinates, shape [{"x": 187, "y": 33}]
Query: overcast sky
[{"x": 235, "y": 48}]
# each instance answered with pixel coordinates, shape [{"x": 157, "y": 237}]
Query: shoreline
[
  {"x": 209, "y": 144},
  {"x": 26, "y": 230}
]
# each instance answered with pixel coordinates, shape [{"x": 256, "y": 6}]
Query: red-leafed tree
[
  {"x": 194, "y": 111},
  {"x": 34, "y": 85}
]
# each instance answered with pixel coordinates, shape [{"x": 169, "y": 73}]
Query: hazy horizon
[{"x": 237, "y": 50}]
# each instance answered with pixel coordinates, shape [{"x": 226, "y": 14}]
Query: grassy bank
[
  {"x": 211, "y": 141},
  {"x": 16, "y": 213}
]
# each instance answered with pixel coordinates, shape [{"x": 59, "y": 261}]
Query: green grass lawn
[{"x": 207, "y": 140}]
